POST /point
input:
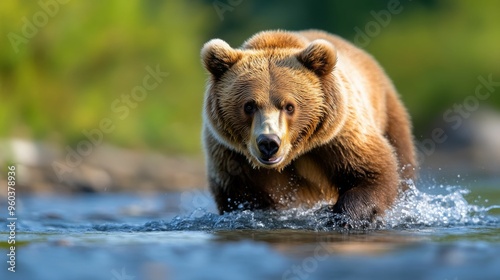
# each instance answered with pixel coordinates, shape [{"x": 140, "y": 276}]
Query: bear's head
[{"x": 273, "y": 99}]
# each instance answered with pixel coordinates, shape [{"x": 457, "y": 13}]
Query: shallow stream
[{"x": 435, "y": 232}]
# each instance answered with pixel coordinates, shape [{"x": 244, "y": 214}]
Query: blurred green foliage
[{"x": 87, "y": 54}]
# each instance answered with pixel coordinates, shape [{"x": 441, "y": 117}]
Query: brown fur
[{"x": 346, "y": 139}]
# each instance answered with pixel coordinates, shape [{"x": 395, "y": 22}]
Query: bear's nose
[{"x": 268, "y": 144}]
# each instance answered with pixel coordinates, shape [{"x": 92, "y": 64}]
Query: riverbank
[{"x": 43, "y": 168}]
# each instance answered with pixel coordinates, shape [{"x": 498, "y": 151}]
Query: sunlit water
[{"x": 437, "y": 232}]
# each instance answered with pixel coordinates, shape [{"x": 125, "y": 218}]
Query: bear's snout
[{"x": 269, "y": 145}]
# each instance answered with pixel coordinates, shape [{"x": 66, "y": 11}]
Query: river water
[{"x": 433, "y": 232}]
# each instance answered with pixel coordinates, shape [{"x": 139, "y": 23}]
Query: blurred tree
[
  {"x": 65, "y": 78},
  {"x": 63, "y": 65}
]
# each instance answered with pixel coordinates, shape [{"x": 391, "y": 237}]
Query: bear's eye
[
  {"x": 289, "y": 108},
  {"x": 249, "y": 108}
]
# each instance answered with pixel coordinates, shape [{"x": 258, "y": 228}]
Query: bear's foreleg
[{"x": 368, "y": 182}]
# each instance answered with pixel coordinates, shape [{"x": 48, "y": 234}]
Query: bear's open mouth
[{"x": 270, "y": 161}]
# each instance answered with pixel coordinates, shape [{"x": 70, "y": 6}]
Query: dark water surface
[{"x": 436, "y": 232}]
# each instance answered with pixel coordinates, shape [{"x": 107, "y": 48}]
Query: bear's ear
[
  {"x": 320, "y": 57},
  {"x": 218, "y": 57}
]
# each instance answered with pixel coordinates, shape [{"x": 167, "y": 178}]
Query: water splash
[
  {"x": 414, "y": 209},
  {"x": 199, "y": 220}
]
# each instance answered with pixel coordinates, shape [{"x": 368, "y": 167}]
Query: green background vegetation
[{"x": 64, "y": 79}]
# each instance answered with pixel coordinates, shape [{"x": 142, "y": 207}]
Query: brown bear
[{"x": 299, "y": 118}]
